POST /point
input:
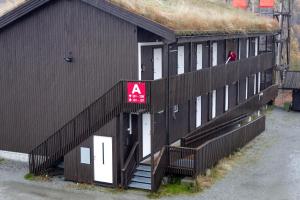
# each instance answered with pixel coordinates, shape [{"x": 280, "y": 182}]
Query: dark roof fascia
[
  {"x": 218, "y": 36},
  {"x": 135, "y": 19},
  {"x": 20, "y": 11}
]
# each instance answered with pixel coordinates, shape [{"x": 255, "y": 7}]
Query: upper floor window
[{"x": 180, "y": 63}]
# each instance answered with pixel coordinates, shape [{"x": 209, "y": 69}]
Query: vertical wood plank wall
[{"x": 42, "y": 90}]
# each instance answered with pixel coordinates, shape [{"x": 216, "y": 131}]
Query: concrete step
[
  {"x": 140, "y": 179},
  {"x": 138, "y": 185},
  {"x": 143, "y": 174},
  {"x": 146, "y": 168}
]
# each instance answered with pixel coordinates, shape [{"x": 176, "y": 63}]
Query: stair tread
[
  {"x": 144, "y": 168},
  {"x": 137, "y": 185},
  {"x": 143, "y": 174},
  {"x": 141, "y": 179}
]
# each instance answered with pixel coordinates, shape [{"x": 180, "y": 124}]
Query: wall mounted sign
[{"x": 136, "y": 92}]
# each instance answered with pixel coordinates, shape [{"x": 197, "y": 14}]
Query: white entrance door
[
  {"x": 103, "y": 159},
  {"x": 146, "y": 134},
  {"x": 157, "y": 63},
  {"x": 215, "y": 54},
  {"x": 198, "y": 112}
]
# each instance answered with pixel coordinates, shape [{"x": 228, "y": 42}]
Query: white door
[
  {"x": 247, "y": 48},
  {"x": 103, "y": 159},
  {"x": 226, "y": 97},
  {"x": 180, "y": 60},
  {"x": 198, "y": 112},
  {"x": 157, "y": 62},
  {"x": 199, "y": 57},
  {"x": 146, "y": 134},
  {"x": 256, "y": 46},
  {"x": 214, "y": 104},
  {"x": 215, "y": 54}
]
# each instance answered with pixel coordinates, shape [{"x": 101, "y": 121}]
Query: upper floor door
[{"x": 151, "y": 62}]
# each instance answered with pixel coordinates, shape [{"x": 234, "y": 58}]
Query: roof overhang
[{"x": 164, "y": 32}]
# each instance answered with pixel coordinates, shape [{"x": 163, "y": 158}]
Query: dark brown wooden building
[{"x": 123, "y": 100}]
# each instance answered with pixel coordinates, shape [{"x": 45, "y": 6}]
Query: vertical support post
[{"x": 152, "y": 151}]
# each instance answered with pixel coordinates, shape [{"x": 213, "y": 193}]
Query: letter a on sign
[{"x": 136, "y": 92}]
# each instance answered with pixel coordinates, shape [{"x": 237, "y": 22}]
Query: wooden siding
[
  {"x": 43, "y": 91},
  {"x": 83, "y": 173}
]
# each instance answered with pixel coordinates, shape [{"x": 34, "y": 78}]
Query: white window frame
[
  {"x": 214, "y": 54},
  {"x": 226, "y": 97},
  {"x": 180, "y": 60},
  {"x": 199, "y": 56},
  {"x": 85, "y": 155},
  {"x": 214, "y": 104}
]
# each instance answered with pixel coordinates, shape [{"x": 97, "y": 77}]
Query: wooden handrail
[
  {"x": 130, "y": 156},
  {"x": 161, "y": 153}
]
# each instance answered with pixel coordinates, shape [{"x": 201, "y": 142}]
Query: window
[
  {"x": 215, "y": 54},
  {"x": 180, "y": 64},
  {"x": 85, "y": 155},
  {"x": 247, "y": 81},
  {"x": 226, "y": 97},
  {"x": 214, "y": 104},
  {"x": 199, "y": 56}
]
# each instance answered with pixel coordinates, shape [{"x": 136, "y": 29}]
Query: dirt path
[{"x": 268, "y": 169}]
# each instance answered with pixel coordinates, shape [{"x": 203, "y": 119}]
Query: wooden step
[
  {"x": 146, "y": 168},
  {"x": 143, "y": 174},
  {"x": 142, "y": 186},
  {"x": 140, "y": 179}
]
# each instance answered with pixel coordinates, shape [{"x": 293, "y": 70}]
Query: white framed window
[
  {"x": 226, "y": 97},
  {"x": 199, "y": 56},
  {"x": 180, "y": 59},
  {"x": 255, "y": 83},
  {"x": 256, "y": 47},
  {"x": 215, "y": 54},
  {"x": 247, "y": 48},
  {"x": 247, "y": 81},
  {"x": 85, "y": 155},
  {"x": 198, "y": 111},
  {"x": 259, "y": 82},
  {"x": 214, "y": 104}
]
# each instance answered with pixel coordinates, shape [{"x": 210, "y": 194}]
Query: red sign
[
  {"x": 266, "y": 3},
  {"x": 240, "y": 4},
  {"x": 136, "y": 92}
]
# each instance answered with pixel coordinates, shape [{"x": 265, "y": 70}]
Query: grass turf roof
[
  {"x": 194, "y": 17},
  {"x": 9, "y": 5}
]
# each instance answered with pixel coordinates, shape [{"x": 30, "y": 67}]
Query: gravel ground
[{"x": 268, "y": 169}]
